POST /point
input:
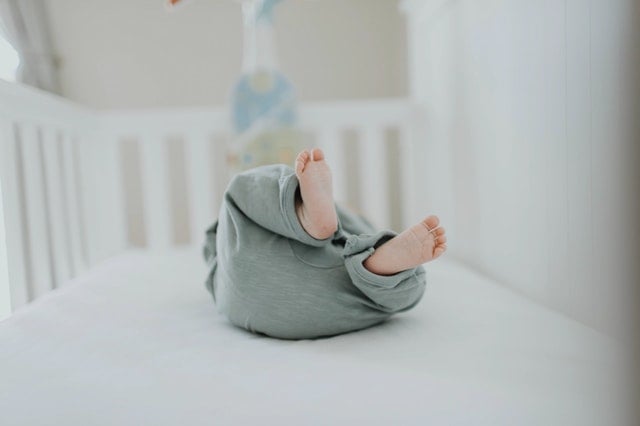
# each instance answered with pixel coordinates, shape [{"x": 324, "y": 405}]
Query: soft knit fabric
[{"x": 268, "y": 275}]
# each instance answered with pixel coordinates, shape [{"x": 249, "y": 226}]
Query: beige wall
[{"x": 132, "y": 53}]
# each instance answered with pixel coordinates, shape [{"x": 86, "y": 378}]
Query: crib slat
[
  {"x": 373, "y": 179},
  {"x": 221, "y": 171},
  {"x": 331, "y": 142},
  {"x": 13, "y": 217},
  {"x": 39, "y": 257},
  {"x": 155, "y": 191},
  {"x": 112, "y": 200},
  {"x": 72, "y": 205},
  {"x": 55, "y": 199},
  {"x": 410, "y": 211},
  {"x": 201, "y": 186}
]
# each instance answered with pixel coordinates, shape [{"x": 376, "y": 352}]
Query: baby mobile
[{"x": 263, "y": 104}]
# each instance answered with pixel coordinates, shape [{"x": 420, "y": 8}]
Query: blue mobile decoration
[{"x": 263, "y": 101}]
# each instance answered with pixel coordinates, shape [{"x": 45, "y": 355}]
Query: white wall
[
  {"x": 528, "y": 133},
  {"x": 131, "y": 54}
]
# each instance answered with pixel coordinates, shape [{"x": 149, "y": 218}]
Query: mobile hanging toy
[{"x": 263, "y": 104}]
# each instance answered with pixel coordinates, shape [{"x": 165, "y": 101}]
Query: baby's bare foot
[
  {"x": 316, "y": 211},
  {"x": 421, "y": 243}
]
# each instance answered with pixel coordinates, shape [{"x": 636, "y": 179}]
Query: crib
[
  {"x": 106, "y": 319},
  {"x": 68, "y": 162},
  {"x": 75, "y": 269}
]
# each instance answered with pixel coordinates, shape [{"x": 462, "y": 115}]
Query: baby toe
[
  {"x": 317, "y": 154},
  {"x": 439, "y": 250},
  {"x": 431, "y": 222},
  {"x": 301, "y": 161}
]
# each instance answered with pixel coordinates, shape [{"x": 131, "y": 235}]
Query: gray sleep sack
[{"x": 269, "y": 276}]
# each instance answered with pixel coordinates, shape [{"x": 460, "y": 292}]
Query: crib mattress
[{"x": 137, "y": 340}]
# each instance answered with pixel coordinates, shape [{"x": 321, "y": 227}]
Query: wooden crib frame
[{"x": 62, "y": 188}]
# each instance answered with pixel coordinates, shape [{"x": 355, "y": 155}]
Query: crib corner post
[{"x": 13, "y": 283}]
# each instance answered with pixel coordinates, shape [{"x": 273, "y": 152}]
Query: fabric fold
[{"x": 392, "y": 293}]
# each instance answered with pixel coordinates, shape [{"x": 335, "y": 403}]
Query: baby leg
[
  {"x": 315, "y": 209},
  {"x": 270, "y": 196},
  {"x": 419, "y": 244},
  {"x": 386, "y": 293}
]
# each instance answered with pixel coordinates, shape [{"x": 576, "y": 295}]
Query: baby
[{"x": 286, "y": 261}]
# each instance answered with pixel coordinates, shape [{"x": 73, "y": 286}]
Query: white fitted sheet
[{"x": 137, "y": 340}]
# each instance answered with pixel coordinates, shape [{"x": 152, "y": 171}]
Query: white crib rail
[
  {"x": 66, "y": 198},
  {"x": 44, "y": 237},
  {"x": 360, "y": 179},
  {"x": 203, "y": 133}
]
